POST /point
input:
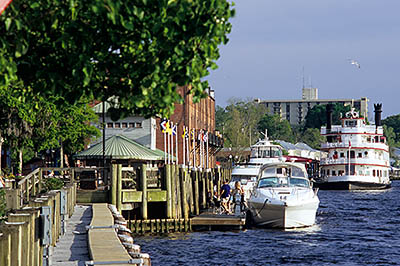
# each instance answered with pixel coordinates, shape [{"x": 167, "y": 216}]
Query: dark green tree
[
  {"x": 394, "y": 123},
  {"x": 278, "y": 129},
  {"x": 316, "y": 116},
  {"x": 138, "y": 51}
]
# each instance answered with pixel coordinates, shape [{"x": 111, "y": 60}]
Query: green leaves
[{"x": 138, "y": 50}]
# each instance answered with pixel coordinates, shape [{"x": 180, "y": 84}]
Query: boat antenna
[{"x": 265, "y": 134}]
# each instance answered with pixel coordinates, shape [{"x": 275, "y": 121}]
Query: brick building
[{"x": 198, "y": 116}]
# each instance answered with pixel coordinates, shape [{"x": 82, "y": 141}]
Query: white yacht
[
  {"x": 283, "y": 197},
  {"x": 263, "y": 152},
  {"x": 358, "y": 156}
]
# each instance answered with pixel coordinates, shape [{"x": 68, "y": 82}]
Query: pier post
[
  {"x": 185, "y": 207},
  {"x": 114, "y": 184},
  {"x": 119, "y": 188},
  {"x": 169, "y": 192},
  {"x": 178, "y": 190},
  {"x": 173, "y": 189},
  {"x": 196, "y": 193},
  {"x": 191, "y": 190},
  {"x": 203, "y": 190},
  {"x": 143, "y": 185}
]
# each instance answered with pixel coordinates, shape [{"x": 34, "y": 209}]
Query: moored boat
[
  {"x": 263, "y": 152},
  {"x": 358, "y": 156},
  {"x": 283, "y": 197}
]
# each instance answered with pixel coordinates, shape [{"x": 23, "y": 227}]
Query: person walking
[{"x": 225, "y": 197}]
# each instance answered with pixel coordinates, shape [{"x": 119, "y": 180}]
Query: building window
[
  {"x": 359, "y": 155},
  {"x": 110, "y": 125},
  {"x": 138, "y": 125},
  {"x": 131, "y": 125},
  {"x": 117, "y": 125},
  {"x": 342, "y": 155},
  {"x": 333, "y": 172},
  {"x": 124, "y": 125}
]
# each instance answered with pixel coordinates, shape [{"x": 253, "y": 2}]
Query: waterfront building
[
  {"x": 199, "y": 117},
  {"x": 295, "y": 111}
]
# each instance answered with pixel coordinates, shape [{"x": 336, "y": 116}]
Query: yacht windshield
[
  {"x": 299, "y": 182},
  {"x": 283, "y": 182},
  {"x": 266, "y": 152}
]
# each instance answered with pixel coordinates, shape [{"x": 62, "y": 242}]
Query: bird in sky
[{"x": 354, "y": 62}]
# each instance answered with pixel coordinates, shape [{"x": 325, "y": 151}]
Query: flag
[
  {"x": 168, "y": 128},
  {"x": 192, "y": 133},
  {"x": 200, "y": 135},
  {"x": 173, "y": 130},
  {"x": 4, "y": 4},
  {"x": 205, "y": 136},
  {"x": 163, "y": 125},
  {"x": 185, "y": 134}
]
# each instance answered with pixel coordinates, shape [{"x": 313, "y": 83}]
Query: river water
[{"x": 352, "y": 228}]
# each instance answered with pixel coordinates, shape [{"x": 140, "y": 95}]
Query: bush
[
  {"x": 53, "y": 183},
  {"x": 3, "y": 204}
]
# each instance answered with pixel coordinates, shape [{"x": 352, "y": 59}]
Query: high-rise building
[{"x": 295, "y": 111}]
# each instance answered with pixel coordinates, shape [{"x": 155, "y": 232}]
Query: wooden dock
[{"x": 210, "y": 221}]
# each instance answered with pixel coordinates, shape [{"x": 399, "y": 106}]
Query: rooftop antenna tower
[{"x": 303, "y": 79}]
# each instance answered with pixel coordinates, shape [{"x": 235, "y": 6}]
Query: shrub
[{"x": 53, "y": 183}]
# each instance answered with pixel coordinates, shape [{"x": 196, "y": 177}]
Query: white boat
[
  {"x": 358, "y": 156},
  {"x": 263, "y": 152},
  {"x": 283, "y": 197}
]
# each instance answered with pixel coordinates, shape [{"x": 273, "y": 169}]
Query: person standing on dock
[{"x": 225, "y": 196}]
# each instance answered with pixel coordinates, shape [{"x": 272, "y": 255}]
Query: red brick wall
[{"x": 193, "y": 115}]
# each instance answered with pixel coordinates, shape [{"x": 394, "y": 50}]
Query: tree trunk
[
  {"x": 1, "y": 146},
  {"x": 61, "y": 154},
  {"x": 20, "y": 162}
]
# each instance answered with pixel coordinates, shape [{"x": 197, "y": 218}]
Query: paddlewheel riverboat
[{"x": 358, "y": 156}]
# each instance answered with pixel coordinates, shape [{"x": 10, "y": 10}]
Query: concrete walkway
[{"x": 72, "y": 248}]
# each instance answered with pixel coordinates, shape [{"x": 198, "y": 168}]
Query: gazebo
[{"x": 119, "y": 149}]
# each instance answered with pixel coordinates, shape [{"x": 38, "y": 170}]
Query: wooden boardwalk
[
  {"x": 210, "y": 221},
  {"x": 72, "y": 248}
]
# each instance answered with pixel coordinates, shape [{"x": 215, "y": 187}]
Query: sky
[{"x": 272, "y": 41}]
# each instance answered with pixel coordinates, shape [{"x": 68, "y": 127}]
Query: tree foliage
[
  {"x": 316, "y": 116},
  {"x": 137, "y": 50},
  {"x": 278, "y": 129},
  {"x": 394, "y": 123},
  {"x": 238, "y": 122}
]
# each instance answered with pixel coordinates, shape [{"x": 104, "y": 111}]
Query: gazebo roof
[{"x": 120, "y": 147}]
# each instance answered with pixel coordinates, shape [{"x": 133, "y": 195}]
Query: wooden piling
[
  {"x": 196, "y": 193},
  {"x": 173, "y": 189},
  {"x": 178, "y": 190},
  {"x": 119, "y": 188},
  {"x": 185, "y": 205},
  {"x": 114, "y": 184},
  {"x": 169, "y": 191},
  {"x": 143, "y": 185}
]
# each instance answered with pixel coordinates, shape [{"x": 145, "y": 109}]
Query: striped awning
[{"x": 120, "y": 147}]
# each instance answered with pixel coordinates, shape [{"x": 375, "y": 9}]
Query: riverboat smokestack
[
  {"x": 329, "y": 110},
  {"x": 378, "y": 114}
]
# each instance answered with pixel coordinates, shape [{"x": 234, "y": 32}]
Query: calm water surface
[{"x": 353, "y": 228}]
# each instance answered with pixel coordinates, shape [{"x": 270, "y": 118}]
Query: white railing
[
  {"x": 355, "y": 145},
  {"x": 329, "y": 161}
]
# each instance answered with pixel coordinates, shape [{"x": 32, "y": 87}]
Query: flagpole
[
  {"x": 194, "y": 148},
  {"x": 169, "y": 145},
  {"x": 165, "y": 147},
  {"x": 172, "y": 143},
  {"x": 187, "y": 147},
  {"x": 176, "y": 144},
  {"x": 184, "y": 146},
  {"x": 208, "y": 166},
  {"x": 349, "y": 157}
]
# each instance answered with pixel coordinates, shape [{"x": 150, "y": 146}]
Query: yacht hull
[
  {"x": 284, "y": 216},
  {"x": 350, "y": 185},
  {"x": 353, "y": 182}
]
